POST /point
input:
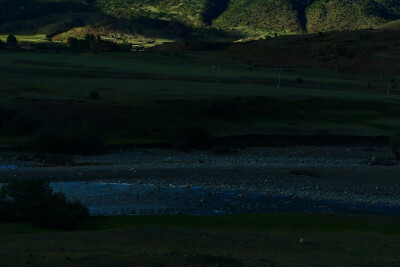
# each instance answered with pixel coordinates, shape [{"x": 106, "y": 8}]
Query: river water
[{"x": 128, "y": 199}]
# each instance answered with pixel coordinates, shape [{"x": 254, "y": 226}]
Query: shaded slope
[
  {"x": 11, "y": 10},
  {"x": 367, "y": 51},
  {"x": 328, "y": 15},
  {"x": 235, "y": 19},
  {"x": 272, "y": 15}
]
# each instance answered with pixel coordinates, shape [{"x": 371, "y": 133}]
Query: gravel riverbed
[{"x": 342, "y": 174}]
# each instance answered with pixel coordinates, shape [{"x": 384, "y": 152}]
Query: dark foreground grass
[
  {"x": 247, "y": 223},
  {"x": 254, "y": 240},
  {"x": 256, "y": 223}
]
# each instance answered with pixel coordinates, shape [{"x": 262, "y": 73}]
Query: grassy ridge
[{"x": 255, "y": 18}]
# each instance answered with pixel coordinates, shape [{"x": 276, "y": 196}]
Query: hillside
[
  {"x": 366, "y": 51},
  {"x": 280, "y": 16},
  {"x": 176, "y": 19},
  {"x": 329, "y": 15}
]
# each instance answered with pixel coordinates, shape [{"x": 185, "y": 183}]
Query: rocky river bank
[{"x": 363, "y": 179}]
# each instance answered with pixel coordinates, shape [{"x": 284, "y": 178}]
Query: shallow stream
[{"x": 131, "y": 199}]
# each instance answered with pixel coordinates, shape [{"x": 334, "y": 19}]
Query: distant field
[
  {"x": 152, "y": 96},
  {"x": 35, "y": 38},
  {"x": 330, "y": 240}
]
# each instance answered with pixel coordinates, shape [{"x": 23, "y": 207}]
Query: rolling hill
[{"x": 175, "y": 19}]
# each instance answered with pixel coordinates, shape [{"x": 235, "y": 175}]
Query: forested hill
[{"x": 245, "y": 17}]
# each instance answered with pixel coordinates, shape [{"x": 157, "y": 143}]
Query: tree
[
  {"x": 89, "y": 37},
  {"x": 394, "y": 144},
  {"x": 33, "y": 201},
  {"x": 125, "y": 46},
  {"x": 72, "y": 43},
  {"x": 11, "y": 39}
]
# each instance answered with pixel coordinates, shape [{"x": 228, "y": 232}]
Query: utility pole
[
  {"x": 388, "y": 89},
  {"x": 313, "y": 46},
  {"x": 219, "y": 73},
  {"x": 279, "y": 80}
]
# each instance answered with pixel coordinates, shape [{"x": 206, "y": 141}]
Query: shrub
[
  {"x": 34, "y": 201},
  {"x": 95, "y": 95},
  {"x": 194, "y": 138},
  {"x": 78, "y": 44},
  {"x": 84, "y": 141},
  {"x": 6, "y": 115},
  {"x": 21, "y": 124},
  {"x": 72, "y": 42},
  {"x": 11, "y": 39},
  {"x": 299, "y": 80},
  {"x": 89, "y": 37},
  {"x": 222, "y": 109},
  {"x": 125, "y": 46},
  {"x": 394, "y": 144}
]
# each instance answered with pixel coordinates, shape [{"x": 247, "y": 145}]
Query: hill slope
[
  {"x": 328, "y": 15},
  {"x": 272, "y": 15},
  {"x": 237, "y": 18}
]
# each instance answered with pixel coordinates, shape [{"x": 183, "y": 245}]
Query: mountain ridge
[{"x": 238, "y": 18}]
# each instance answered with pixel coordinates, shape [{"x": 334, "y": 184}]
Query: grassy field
[
  {"x": 31, "y": 38},
  {"x": 330, "y": 240},
  {"x": 153, "y": 96}
]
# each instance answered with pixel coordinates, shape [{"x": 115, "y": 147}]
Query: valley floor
[
  {"x": 349, "y": 174},
  {"x": 174, "y": 246}
]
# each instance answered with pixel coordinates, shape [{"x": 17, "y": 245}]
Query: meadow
[
  {"x": 152, "y": 97},
  {"x": 329, "y": 240}
]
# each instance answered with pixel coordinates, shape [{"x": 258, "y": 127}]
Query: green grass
[
  {"x": 295, "y": 223},
  {"x": 254, "y": 240},
  {"x": 150, "y": 97},
  {"x": 279, "y": 223},
  {"x": 34, "y": 38}
]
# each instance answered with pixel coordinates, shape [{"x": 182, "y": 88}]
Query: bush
[
  {"x": 299, "y": 80},
  {"x": 89, "y": 37},
  {"x": 221, "y": 109},
  {"x": 84, "y": 141},
  {"x": 78, "y": 44},
  {"x": 95, "y": 95},
  {"x": 194, "y": 138},
  {"x": 394, "y": 144},
  {"x": 125, "y": 46},
  {"x": 11, "y": 39},
  {"x": 34, "y": 201},
  {"x": 21, "y": 124}
]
